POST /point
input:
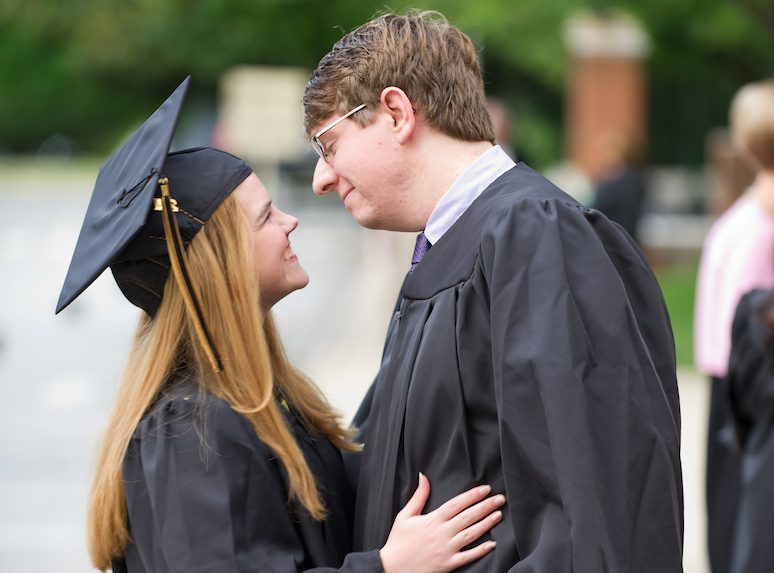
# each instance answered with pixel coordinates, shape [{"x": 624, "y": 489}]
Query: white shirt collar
[{"x": 466, "y": 188}]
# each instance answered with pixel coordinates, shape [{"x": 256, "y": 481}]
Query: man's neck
[{"x": 440, "y": 161}]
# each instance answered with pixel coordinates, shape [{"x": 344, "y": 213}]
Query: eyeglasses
[{"x": 317, "y": 144}]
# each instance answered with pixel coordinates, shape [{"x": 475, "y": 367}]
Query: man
[{"x": 530, "y": 347}]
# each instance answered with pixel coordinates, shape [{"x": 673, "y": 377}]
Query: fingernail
[
  {"x": 484, "y": 489},
  {"x": 497, "y": 515},
  {"x": 499, "y": 498},
  {"x": 491, "y": 544}
]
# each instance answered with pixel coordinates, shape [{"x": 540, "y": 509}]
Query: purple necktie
[{"x": 422, "y": 246}]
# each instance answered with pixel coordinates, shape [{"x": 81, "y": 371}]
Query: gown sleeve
[
  {"x": 584, "y": 370},
  {"x": 353, "y": 460},
  {"x": 217, "y": 505}
]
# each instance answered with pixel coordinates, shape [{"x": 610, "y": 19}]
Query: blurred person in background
[
  {"x": 530, "y": 346},
  {"x": 750, "y": 431},
  {"x": 219, "y": 455},
  {"x": 621, "y": 190},
  {"x": 736, "y": 257},
  {"x": 501, "y": 124}
]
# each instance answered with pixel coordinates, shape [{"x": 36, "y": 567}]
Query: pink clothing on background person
[{"x": 737, "y": 256}]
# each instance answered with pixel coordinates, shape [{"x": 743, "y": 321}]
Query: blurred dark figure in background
[
  {"x": 737, "y": 257},
  {"x": 620, "y": 192},
  {"x": 751, "y": 404},
  {"x": 501, "y": 124}
]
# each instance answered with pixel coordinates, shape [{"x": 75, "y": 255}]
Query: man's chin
[
  {"x": 370, "y": 220},
  {"x": 365, "y": 219}
]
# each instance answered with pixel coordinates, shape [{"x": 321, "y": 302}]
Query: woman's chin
[
  {"x": 302, "y": 279},
  {"x": 270, "y": 298}
]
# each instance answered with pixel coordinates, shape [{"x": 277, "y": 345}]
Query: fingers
[
  {"x": 470, "y": 534},
  {"x": 476, "y": 512},
  {"x": 464, "y": 500},
  {"x": 477, "y": 552},
  {"x": 416, "y": 504}
]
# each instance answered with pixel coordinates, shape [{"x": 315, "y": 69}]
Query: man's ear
[{"x": 398, "y": 106}]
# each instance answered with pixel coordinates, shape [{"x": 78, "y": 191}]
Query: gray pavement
[{"x": 59, "y": 374}]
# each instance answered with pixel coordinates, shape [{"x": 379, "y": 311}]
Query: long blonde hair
[{"x": 255, "y": 367}]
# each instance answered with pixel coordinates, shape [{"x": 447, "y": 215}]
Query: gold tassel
[{"x": 179, "y": 263}]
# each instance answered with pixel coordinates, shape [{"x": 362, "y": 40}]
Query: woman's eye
[{"x": 263, "y": 221}]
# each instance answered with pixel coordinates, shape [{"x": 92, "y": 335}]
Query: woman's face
[{"x": 276, "y": 266}]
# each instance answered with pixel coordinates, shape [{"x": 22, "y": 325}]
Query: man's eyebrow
[{"x": 329, "y": 135}]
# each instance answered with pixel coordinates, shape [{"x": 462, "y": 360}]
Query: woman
[
  {"x": 736, "y": 258},
  {"x": 219, "y": 455}
]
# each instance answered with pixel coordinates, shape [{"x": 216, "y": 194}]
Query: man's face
[{"x": 361, "y": 164}]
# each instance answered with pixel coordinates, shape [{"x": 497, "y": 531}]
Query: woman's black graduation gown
[
  {"x": 222, "y": 505},
  {"x": 751, "y": 398},
  {"x": 531, "y": 349}
]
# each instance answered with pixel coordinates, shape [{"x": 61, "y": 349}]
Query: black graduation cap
[{"x": 145, "y": 209}]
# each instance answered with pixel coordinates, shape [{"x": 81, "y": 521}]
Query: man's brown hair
[{"x": 433, "y": 62}]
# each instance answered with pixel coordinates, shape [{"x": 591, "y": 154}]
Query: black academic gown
[
  {"x": 751, "y": 404},
  {"x": 221, "y": 505},
  {"x": 531, "y": 350}
]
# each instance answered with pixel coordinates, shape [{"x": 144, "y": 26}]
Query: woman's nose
[
  {"x": 324, "y": 178},
  {"x": 289, "y": 222}
]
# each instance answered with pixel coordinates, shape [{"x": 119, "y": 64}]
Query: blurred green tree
[{"x": 90, "y": 69}]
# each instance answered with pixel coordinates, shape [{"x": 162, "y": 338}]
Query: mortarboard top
[
  {"x": 122, "y": 197},
  {"x": 145, "y": 209}
]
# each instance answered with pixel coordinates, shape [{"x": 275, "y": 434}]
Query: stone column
[
  {"x": 260, "y": 120},
  {"x": 606, "y": 87},
  {"x": 260, "y": 115}
]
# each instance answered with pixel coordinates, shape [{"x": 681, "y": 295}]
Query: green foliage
[
  {"x": 91, "y": 68},
  {"x": 678, "y": 283},
  {"x": 703, "y": 51}
]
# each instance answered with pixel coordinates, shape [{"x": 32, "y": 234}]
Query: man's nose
[{"x": 324, "y": 179}]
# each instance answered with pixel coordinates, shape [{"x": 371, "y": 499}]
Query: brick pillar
[{"x": 606, "y": 87}]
